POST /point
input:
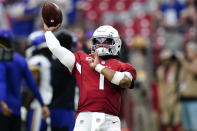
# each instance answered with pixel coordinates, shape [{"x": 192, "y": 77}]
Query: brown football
[{"x": 51, "y": 14}]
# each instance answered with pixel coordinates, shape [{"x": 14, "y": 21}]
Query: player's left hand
[
  {"x": 94, "y": 61},
  {"x": 45, "y": 112}
]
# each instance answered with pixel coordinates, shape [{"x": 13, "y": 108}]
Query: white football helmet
[
  {"x": 106, "y": 41},
  {"x": 36, "y": 41}
]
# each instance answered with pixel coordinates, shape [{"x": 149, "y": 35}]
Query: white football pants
[{"x": 95, "y": 121}]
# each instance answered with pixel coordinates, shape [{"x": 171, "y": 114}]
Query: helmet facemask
[{"x": 104, "y": 46}]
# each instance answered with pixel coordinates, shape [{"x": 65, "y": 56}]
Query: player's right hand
[
  {"x": 5, "y": 110},
  {"x": 94, "y": 61},
  {"x": 46, "y": 28}
]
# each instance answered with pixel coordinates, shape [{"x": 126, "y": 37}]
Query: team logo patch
[{"x": 98, "y": 119}]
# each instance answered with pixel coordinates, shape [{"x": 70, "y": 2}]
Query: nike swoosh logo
[{"x": 114, "y": 122}]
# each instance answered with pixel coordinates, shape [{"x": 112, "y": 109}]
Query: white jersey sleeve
[{"x": 65, "y": 56}]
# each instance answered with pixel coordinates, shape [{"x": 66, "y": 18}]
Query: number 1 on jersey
[{"x": 101, "y": 82}]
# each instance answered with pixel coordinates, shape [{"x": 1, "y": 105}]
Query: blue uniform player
[
  {"x": 39, "y": 62},
  {"x": 14, "y": 72}
]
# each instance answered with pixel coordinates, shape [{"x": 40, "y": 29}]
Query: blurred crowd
[{"x": 159, "y": 40}]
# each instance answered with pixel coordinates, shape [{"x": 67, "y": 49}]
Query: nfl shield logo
[{"x": 98, "y": 120}]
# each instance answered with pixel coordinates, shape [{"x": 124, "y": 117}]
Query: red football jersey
[{"x": 97, "y": 94}]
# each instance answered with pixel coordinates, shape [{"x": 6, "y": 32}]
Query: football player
[
  {"x": 40, "y": 66},
  {"x": 16, "y": 71},
  {"x": 101, "y": 78}
]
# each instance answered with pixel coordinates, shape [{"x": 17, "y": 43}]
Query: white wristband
[
  {"x": 99, "y": 68},
  {"x": 118, "y": 76}
]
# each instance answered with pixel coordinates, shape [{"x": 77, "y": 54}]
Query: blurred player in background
[
  {"x": 16, "y": 71},
  {"x": 62, "y": 105},
  {"x": 100, "y": 77},
  {"x": 40, "y": 65},
  {"x": 3, "y": 79}
]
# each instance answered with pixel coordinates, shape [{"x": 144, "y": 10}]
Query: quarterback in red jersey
[{"x": 100, "y": 77}]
